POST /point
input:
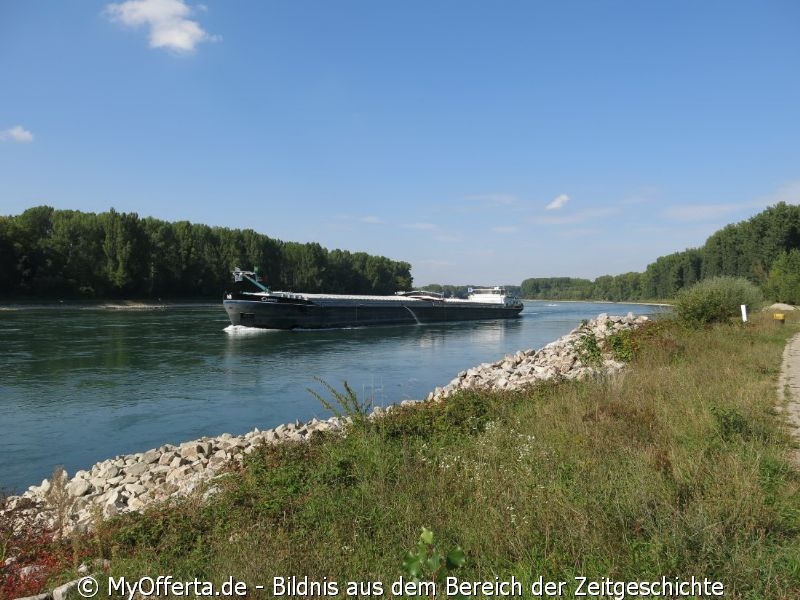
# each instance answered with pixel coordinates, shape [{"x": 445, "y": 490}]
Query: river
[{"x": 81, "y": 385}]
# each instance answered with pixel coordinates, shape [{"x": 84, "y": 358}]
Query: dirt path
[{"x": 789, "y": 389}]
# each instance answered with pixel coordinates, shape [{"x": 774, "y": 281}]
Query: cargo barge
[{"x": 267, "y": 309}]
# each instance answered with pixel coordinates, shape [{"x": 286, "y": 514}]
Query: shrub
[{"x": 716, "y": 300}]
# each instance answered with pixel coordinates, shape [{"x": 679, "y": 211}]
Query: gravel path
[{"x": 789, "y": 389}]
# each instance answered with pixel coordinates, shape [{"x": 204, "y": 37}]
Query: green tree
[
  {"x": 671, "y": 273},
  {"x": 749, "y": 248},
  {"x": 783, "y": 284},
  {"x": 304, "y": 266},
  {"x": 340, "y": 276},
  {"x": 164, "y": 265},
  {"x": 556, "y": 288},
  {"x": 9, "y": 275},
  {"x": 126, "y": 250},
  {"x": 46, "y": 251},
  {"x": 77, "y": 239}
]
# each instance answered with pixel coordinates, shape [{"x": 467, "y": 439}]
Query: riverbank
[
  {"x": 136, "y": 481},
  {"x": 678, "y": 469}
]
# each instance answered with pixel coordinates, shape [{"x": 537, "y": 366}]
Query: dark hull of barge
[{"x": 288, "y": 314}]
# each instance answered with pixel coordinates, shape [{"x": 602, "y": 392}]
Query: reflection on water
[{"x": 79, "y": 386}]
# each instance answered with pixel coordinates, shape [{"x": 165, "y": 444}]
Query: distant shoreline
[
  {"x": 125, "y": 305},
  {"x": 599, "y": 301}
]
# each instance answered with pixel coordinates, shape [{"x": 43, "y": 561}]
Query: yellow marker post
[{"x": 780, "y": 318}]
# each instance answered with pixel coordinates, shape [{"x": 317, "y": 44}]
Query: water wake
[{"x": 242, "y": 330}]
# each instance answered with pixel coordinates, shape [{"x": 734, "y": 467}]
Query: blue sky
[{"x": 483, "y": 142}]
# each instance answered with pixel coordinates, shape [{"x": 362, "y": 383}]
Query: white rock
[
  {"x": 62, "y": 591},
  {"x": 135, "y": 470},
  {"x": 109, "y": 471},
  {"x": 79, "y": 487}
]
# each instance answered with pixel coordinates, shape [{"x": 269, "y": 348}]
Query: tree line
[
  {"x": 68, "y": 253},
  {"x": 462, "y": 291},
  {"x": 764, "y": 249}
]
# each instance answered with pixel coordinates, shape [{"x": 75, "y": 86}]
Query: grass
[{"x": 678, "y": 468}]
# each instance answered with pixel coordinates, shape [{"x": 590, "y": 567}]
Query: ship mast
[{"x": 251, "y": 276}]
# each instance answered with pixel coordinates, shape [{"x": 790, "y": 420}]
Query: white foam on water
[{"x": 243, "y": 330}]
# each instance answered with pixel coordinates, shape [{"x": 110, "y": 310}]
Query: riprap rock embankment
[
  {"x": 132, "y": 482},
  {"x": 569, "y": 357}
]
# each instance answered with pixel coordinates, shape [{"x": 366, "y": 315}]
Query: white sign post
[{"x": 744, "y": 313}]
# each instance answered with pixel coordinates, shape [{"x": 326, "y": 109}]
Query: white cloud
[
  {"x": 449, "y": 238},
  {"x": 697, "y": 212},
  {"x": 16, "y": 134},
  {"x": 168, "y": 22},
  {"x": 504, "y": 229},
  {"x": 645, "y": 195},
  {"x": 371, "y": 220},
  {"x": 558, "y": 202},
  {"x": 422, "y": 226},
  {"x": 579, "y": 217},
  {"x": 580, "y": 232},
  {"x": 493, "y": 199},
  {"x": 435, "y": 262},
  {"x": 789, "y": 193}
]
